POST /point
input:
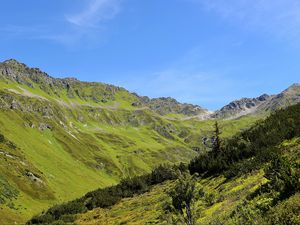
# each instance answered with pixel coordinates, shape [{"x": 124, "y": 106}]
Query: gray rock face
[
  {"x": 169, "y": 105},
  {"x": 44, "y": 126},
  {"x": 241, "y": 107},
  {"x": 261, "y": 104},
  {"x": 33, "y": 177},
  {"x": 288, "y": 97}
]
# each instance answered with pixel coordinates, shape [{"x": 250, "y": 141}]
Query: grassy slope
[
  {"x": 149, "y": 207},
  {"x": 90, "y": 145},
  {"x": 228, "y": 195}
]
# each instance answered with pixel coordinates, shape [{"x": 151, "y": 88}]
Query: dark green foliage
[
  {"x": 109, "y": 196},
  {"x": 7, "y": 192},
  {"x": 286, "y": 213},
  {"x": 260, "y": 142},
  {"x": 102, "y": 198},
  {"x": 216, "y": 147},
  {"x": 2, "y": 138},
  {"x": 64, "y": 211},
  {"x": 271, "y": 198},
  {"x": 283, "y": 176},
  {"x": 163, "y": 173},
  {"x": 183, "y": 195},
  {"x": 209, "y": 199}
]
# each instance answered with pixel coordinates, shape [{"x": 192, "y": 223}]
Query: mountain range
[
  {"x": 105, "y": 93},
  {"x": 60, "y": 138}
]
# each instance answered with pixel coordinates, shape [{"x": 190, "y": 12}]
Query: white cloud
[
  {"x": 95, "y": 12},
  {"x": 84, "y": 28},
  {"x": 279, "y": 18}
]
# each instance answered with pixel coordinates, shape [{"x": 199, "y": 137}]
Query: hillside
[
  {"x": 61, "y": 138},
  {"x": 259, "y": 185},
  {"x": 73, "y": 91},
  {"x": 59, "y": 133}
]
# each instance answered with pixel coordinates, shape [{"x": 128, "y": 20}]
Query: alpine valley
[{"x": 74, "y": 152}]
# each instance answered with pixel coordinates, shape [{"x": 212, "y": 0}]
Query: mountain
[
  {"x": 61, "y": 138},
  {"x": 73, "y": 89},
  {"x": 241, "y": 107},
  {"x": 253, "y": 179},
  {"x": 164, "y": 106},
  {"x": 260, "y": 105},
  {"x": 288, "y": 97}
]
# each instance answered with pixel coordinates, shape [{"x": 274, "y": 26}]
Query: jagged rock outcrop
[
  {"x": 241, "y": 107},
  {"x": 288, "y": 97},
  {"x": 170, "y": 105},
  {"x": 261, "y": 104}
]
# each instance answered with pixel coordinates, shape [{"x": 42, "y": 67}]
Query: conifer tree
[
  {"x": 216, "y": 143},
  {"x": 183, "y": 195}
]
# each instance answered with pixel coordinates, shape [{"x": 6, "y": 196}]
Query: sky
[{"x": 205, "y": 52}]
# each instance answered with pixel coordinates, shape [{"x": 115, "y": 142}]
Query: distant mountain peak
[
  {"x": 292, "y": 87},
  {"x": 261, "y": 104},
  {"x": 241, "y": 107},
  {"x": 14, "y": 62},
  {"x": 295, "y": 85}
]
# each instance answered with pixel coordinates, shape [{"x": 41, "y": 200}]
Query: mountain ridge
[
  {"x": 103, "y": 93},
  {"x": 21, "y": 73},
  {"x": 259, "y": 105},
  {"x": 57, "y": 133}
]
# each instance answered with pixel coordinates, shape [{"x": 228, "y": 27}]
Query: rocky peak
[
  {"x": 241, "y": 107},
  {"x": 168, "y": 105},
  {"x": 263, "y": 97},
  {"x": 261, "y": 104},
  {"x": 289, "y": 96},
  {"x": 294, "y": 87},
  {"x": 14, "y": 62}
]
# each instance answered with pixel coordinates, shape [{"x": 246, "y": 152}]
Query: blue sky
[{"x": 206, "y": 52}]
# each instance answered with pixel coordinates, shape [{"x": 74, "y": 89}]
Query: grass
[
  {"x": 142, "y": 209},
  {"x": 229, "y": 197},
  {"x": 91, "y": 144},
  {"x": 149, "y": 208}
]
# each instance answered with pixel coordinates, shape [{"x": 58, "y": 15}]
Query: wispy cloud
[
  {"x": 84, "y": 28},
  {"x": 279, "y": 18},
  {"x": 95, "y": 12}
]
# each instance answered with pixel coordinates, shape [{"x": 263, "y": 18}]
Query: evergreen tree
[
  {"x": 216, "y": 143},
  {"x": 183, "y": 195}
]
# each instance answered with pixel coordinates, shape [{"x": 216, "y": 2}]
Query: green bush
[{"x": 2, "y": 138}]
